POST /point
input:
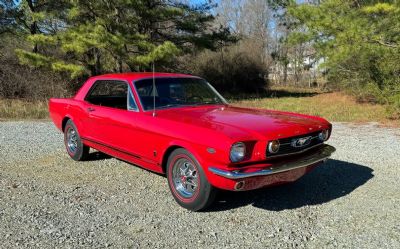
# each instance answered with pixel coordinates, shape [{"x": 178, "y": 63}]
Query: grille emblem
[{"x": 301, "y": 142}]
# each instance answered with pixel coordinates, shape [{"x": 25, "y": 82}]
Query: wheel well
[
  {"x": 64, "y": 122},
  {"x": 166, "y": 155}
]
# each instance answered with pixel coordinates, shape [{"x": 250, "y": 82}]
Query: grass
[
  {"x": 332, "y": 106},
  {"x": 16, "y": 109}
]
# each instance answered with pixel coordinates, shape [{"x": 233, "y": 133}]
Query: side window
[{"x": 110, "y": 93}]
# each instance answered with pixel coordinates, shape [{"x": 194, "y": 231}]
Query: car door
[{"x": 112, "y": 112}]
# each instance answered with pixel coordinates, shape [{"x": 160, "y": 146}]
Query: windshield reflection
[{"x": 176, "y": 92}]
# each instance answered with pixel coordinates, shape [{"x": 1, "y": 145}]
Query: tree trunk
[
  {"x": 33, "y": 31},
  {"x": 120, "y": 65},
  {"x": 94, "y": 55},
  {"x": 285, "y": 68},
  {"x": 34, "y": 27},
  {"x": 98, "y": 63}
]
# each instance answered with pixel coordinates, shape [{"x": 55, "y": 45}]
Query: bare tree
[
  {"x": 251, "y": 21},
  {"x": 264, "y": 27}
]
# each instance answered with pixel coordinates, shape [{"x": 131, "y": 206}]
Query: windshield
[{"x": 173, "y": 92}]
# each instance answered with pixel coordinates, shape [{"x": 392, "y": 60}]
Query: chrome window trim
[
  {"x": 216, "y": 92},
  {"x": 127, "y": 96},
  {"x": 172, "y": 77},
  {"x": 129, "y": 108}
]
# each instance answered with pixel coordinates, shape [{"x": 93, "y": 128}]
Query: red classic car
[{"x": 179, "y": 125}]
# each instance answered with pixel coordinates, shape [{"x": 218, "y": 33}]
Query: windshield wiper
[
  {"x": 206, "y": 103},
  {"x": 169, "y": 105},
  {"x": 185, "y": 105}
]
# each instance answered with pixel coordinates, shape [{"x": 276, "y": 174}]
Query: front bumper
[{"x": 321, "y": 154}]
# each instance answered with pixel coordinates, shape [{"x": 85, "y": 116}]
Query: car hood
[{"x": 245, "y": 123}]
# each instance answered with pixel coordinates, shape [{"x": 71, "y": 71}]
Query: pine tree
[
  {"x": 121, "y": 35},
  {"x": 360, "y": 41}
]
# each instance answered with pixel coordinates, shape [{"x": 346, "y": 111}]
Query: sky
[
  {"x": 198, "y": 1},
  {"x": 201, "y": 1}
]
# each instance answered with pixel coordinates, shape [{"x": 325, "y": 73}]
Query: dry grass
[
  {"x": 296, "y": 89},
  {"x": 16, "y": 109},
  {"x": 332, "y": 106}
]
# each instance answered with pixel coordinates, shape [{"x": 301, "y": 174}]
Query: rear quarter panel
[
  {"x": 73, "y": 108},
  {"x": 62, "y": 108}
]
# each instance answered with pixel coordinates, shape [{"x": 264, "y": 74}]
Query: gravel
[{"x": 48, "y": 200}]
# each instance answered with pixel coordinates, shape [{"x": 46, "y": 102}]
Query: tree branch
[{"x": 380, "y": 42}]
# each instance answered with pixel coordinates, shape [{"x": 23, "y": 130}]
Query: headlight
[
  {"x": 238, "y": 151},
  {"x": 323, "y": 135},
  {"x": 273, "y": 146}
]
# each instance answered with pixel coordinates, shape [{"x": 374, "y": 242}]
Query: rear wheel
[
  {"x": 187, "y": 181},
  {"x": 73, "y": 143}
]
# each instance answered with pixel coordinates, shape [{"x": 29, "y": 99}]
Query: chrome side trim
[{"x": 322, "y": 154}]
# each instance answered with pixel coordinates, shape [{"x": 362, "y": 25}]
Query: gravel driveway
[{"x": 47, "y": 200}]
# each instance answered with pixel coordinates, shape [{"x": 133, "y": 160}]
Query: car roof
[{"x": 140, "y": 75}]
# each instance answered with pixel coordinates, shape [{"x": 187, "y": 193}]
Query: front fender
[{"x": 203, "y": 154}]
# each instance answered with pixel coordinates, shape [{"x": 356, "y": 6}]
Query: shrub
[
  {"x": 22, "y": 81},
  {"x": 231, "y": 70}
]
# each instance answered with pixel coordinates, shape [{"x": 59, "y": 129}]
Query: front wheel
[{"x": 187, "y": 181}]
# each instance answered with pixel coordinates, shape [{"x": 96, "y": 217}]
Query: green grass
[{"x": 16, "y": 109}]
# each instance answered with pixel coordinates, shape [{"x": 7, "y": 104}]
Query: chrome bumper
[{"x": 320, "y": 155}]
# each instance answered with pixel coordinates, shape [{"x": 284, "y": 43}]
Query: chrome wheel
[
  {"x": 185, "y": 177},
  {"x": 72, "y": 140}
]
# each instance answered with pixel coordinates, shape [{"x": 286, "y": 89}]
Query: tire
[
  {"x": 187, "y": 181},
  {"x": 73, "y": 143}
]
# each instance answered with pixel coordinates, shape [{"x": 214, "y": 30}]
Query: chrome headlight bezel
[
  {"x": 323, "y": 135},
  {"x": 273, "y": 146},
  {"x": 237, "y": 152}
]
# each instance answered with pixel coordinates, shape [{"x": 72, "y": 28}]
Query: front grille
[{"x": 287, "y": 148}]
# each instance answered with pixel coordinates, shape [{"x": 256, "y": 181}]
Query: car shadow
[
  {"x": 97, "y": 155},
  {"x": 327, "y": 182}
]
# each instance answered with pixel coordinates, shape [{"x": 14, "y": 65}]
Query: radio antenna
[{"x": 154, "y": 91}]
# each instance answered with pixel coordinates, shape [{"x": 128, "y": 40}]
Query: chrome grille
[{"x": 286, "y": 146}]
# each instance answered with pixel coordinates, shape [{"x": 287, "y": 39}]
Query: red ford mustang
[{"x": 181, "y": 126}]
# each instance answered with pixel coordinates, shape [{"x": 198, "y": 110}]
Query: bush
[
  {"x": 371, "y": 93},
  {"x": 18, "y": 81},
  {"x": 231, "y": 70}
]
